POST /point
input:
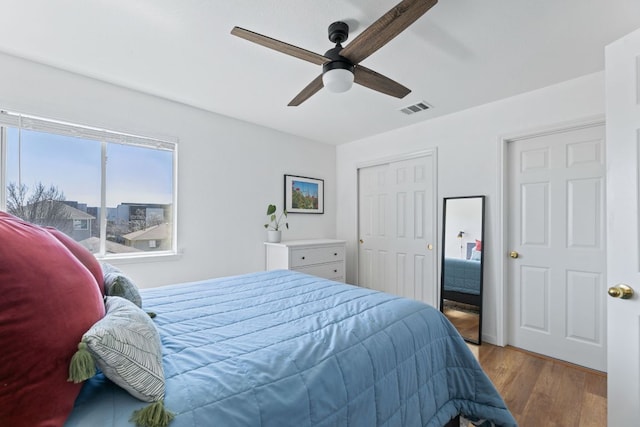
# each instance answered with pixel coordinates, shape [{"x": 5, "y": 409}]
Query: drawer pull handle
[
  {"x": 335, "y": 271},
  {"x": 302, "y": 257},
  {"x": 335, "y": 254}
]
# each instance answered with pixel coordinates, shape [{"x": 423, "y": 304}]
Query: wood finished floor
[
  {"x": 541, "y": 391},
  {"x": 465, "y": 322}
]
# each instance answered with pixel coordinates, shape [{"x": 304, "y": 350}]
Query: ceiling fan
[{"x": 341, "y": 66}]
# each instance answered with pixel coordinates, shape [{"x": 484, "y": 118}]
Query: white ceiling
[{"x": 462, "y": 53}]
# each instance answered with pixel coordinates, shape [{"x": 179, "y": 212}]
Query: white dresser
[{"x": 319, "y": 257}]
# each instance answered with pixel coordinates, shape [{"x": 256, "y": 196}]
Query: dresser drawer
[
  {"x": 319, "y": 257},
  {"x": 307, "y": 256},
  {"x": 332, "y": 270}
]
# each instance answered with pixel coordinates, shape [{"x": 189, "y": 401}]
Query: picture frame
[{"x": 303, "y": 194}]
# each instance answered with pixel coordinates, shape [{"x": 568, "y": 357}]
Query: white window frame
[
  {"x": 82, "y": 227},
  {"x": 104, "y": 136}
]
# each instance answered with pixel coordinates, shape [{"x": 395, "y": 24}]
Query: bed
[
  {"x": 462, "y": 280},
  {"x": 282, "y": 348}
]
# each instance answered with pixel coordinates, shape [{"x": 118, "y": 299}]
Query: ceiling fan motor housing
[
  {"x": 338, "y": 32},
  {"x": 337, "y": 61}
]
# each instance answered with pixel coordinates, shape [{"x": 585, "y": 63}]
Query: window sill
[{"x": 139, "y": 259}]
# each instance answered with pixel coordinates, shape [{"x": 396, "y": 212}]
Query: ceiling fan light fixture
[{"x": 337, "y": 76}]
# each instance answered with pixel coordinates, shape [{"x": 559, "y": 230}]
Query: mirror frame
[{"x": 458, "y": 296}]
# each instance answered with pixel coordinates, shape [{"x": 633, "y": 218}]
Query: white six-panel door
[
  {"x": 556, "y": 278},
  {"x": 397, "y": 228},
  {"x": 623, "y": 232}
]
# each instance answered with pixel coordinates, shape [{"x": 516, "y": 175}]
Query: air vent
[{"x": 416, "y": 108}]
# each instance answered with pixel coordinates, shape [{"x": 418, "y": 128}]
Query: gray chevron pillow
[{"x": 126, "y": 347}]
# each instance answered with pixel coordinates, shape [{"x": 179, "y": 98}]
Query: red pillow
[
  {"x": 478, "y": 245},
  {"x": 83, "y": 255},
  {"x": 49, "y": 300}
]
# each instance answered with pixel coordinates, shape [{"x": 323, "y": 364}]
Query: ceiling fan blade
[
  {"x": 386, "y": 28},
  {"x": 376, "y": 81},
  {"x": 279, "y": 46},
  {"x": 307, "y": 92}
]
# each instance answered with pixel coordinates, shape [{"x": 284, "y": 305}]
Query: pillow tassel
[
  {"x": 82, "y": 366},
  {"x": 118, "y": 288},
  {"x": 154, "y": 415}
]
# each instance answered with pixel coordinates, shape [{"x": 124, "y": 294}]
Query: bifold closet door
[{"x": 397, "y": 224}]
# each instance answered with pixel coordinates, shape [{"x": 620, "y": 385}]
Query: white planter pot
[{"x": 274, "y": 236}]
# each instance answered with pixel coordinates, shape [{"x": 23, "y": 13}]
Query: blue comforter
[
  {"x": 282, "y": 348},
  {"x": 462, "y": 275}
]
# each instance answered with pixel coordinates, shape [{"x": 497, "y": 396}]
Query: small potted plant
[{"x": 274, "y": 226}]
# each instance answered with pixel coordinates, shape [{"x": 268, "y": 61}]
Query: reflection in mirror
[{"x": 462, "y": 264}]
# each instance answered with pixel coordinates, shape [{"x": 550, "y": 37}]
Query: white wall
[
  {"x": 228, "y": 171},
  {"x": 462, "y": 215},
  {"x": 468, "y": 146}
]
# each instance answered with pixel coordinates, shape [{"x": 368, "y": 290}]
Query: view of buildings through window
[{"x": 56, "y": 180}]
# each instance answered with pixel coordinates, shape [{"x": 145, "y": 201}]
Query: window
[
  {"x": 112, "y": 192},
  {"x": 80, "y": 224}
]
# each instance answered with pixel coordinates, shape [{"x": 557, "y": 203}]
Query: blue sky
[{"x": 134, "y": 174}]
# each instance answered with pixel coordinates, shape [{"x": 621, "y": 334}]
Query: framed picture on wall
[{"x": 303, "y": 194}]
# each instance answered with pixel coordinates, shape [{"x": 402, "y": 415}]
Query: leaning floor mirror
[{"x": 462, "y": 264}]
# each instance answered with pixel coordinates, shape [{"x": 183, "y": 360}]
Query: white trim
[
  {"x": 397, "y": 158},
  {"x": 25, "y": 121},
  {"x": 436, "y": 232},
  {"x": 102, "y": 249},
  {"x": 502, "y": 232},
  {"x": 153, "y": 256},
  {"x": 174, "y": 211}
]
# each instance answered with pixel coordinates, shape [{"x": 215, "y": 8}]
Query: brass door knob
[
  {"x": 621, "y": 291},
  {"x": 514, "y": 254},
  {"x": 361, "y": 241}
]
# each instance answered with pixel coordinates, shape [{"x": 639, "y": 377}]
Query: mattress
[{"x": 282, "y": 348}]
